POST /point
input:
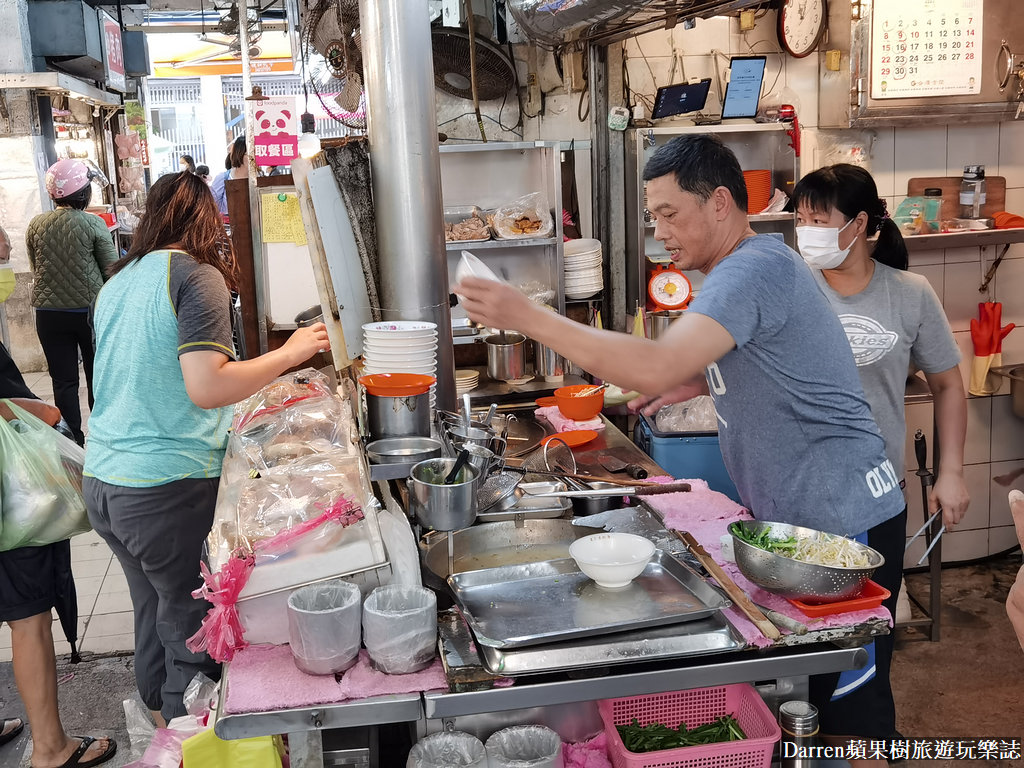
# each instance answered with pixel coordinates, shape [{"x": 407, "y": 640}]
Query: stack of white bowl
[
  {"x": 465, "y": 380},
  {"x": 401, "y": 346},
  {"x": 583, "y": 274}
]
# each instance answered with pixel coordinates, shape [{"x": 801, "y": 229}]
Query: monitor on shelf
[
  {"x": 680, "y": 98},
  {"x": 746, "y": 73}
]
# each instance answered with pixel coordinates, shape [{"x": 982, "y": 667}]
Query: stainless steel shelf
[
  {"x": 525, "y": 242},
  {"x": 971, "y": 239}
]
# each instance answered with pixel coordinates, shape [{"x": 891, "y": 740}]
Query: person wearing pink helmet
[{"x": 69, "y": 251}]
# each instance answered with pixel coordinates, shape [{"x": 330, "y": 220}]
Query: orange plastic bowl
[
  {"x": 579, "y": 408},
  {"x": 396, "y": 384}
]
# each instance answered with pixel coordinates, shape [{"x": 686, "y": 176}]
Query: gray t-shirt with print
[
  {"x": 795, "y": 430},
  {"x": 896, "y": 318}
]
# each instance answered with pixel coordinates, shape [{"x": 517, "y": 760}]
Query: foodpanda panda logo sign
[
  {"x": 277, "y": 137},
  {"x": 869, "y": 340}
]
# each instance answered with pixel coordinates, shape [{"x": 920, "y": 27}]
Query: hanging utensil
[
  {"x": 467, "y": 412},
  {"x": 739, "y": 598},
  {"x": 927, "y": 481}
]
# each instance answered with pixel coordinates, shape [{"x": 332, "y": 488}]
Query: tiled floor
[{"x": 105, "y": 621}]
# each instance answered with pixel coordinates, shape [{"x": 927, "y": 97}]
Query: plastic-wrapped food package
[
  {"x": 694, "y": 415},
  {"x": 447, "y": 750},
  {"x": 524, "y": 746},
  {"x": 323, "y": 626},
  {"x": 251, "y": 509},
  {"x": 400, "y": 628},
  {"x": 526, "y": 216}
]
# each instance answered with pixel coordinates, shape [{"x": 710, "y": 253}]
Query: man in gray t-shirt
[{"x": 796, "y": 432}]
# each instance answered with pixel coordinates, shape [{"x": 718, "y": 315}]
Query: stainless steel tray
[
  {"x": 535, "y": 603},
  {"x": 711, "y": 634},
  {"x": 530, "y": 507}
]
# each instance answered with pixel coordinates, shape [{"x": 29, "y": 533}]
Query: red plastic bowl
[
  {"x": 579, "y": 408},
  {"x": 396, "y": 384}
]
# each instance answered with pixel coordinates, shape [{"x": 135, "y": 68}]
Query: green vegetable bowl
[{"x": 763, "y": 554}]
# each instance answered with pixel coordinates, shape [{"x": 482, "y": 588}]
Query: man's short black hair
[
  {"x": 78, "y": 200},
  {"x": 700, "y": 163}
]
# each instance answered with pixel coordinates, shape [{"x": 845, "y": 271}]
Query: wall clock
[{"x": 801, "y": 25}]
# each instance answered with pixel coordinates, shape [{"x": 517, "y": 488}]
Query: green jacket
[{"x": 69, "y": 252}]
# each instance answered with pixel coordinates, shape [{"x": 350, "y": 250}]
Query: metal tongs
[{"x": 927, "y": 481}]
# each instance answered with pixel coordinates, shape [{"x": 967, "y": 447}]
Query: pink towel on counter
[
  {"x": 264, "y": 677},
  {"x": 592, "y": 753},
  {"x": 362, "y": 680},
  {"x": 706, "y": 514},
  {"x": 554, "y": 417}
]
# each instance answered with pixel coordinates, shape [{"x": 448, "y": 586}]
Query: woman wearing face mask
[{"x": 891, "y": 317}]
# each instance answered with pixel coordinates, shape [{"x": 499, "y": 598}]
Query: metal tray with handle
[{"x": 536, "y": 603}]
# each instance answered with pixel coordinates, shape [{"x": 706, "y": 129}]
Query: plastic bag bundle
[
  {"x": 694, "y": 415},
  {"x": 448, "y": 749},
  {"x": 525, "y": 746},
  {"x": 400, "y": 628},
  {"x": 526, "y": 216},
  {"x": 323, "y": 626},
  {"x": 258, "y": 508},
  {"x": 40, "y": 483}
]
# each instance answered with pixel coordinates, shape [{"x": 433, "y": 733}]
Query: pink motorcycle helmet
[{"x": 65, "y": 177}]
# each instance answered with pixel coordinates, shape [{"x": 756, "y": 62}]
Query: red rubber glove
[{"x": 987, "y": 336}]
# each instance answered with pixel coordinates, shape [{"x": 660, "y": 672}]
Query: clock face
[{"x": 801, "y": 25}]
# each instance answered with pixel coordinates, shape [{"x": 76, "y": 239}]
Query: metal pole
[
  {"x": 254, "y": 196},
  {"x": 406, "y": 168}
]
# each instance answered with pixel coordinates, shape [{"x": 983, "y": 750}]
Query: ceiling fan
[{"x": 228, "y": 27}]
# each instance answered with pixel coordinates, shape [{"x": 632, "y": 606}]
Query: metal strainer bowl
[{"x": 810, "y": 583}]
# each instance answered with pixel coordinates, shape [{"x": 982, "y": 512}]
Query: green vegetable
[
  {"x": 656, "y": 736},
  {"x": 763, "y": 539}
]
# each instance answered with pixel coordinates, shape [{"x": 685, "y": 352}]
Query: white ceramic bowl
[{"x": 612, "y": 560}]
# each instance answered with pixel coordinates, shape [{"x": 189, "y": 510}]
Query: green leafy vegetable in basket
[
  {"x": 764, "y": 539},
  {"x": 656, "y": 736}
]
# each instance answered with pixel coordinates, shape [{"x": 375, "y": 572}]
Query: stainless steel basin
[{"x": 1015, "y": 373}]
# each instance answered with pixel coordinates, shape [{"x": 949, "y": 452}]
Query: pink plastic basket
[{"x": 695, "y": 707}]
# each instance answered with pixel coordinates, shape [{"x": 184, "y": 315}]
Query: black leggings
[
  {"x": 62, "y": 335},
  {"x": 869, "y": 711}
]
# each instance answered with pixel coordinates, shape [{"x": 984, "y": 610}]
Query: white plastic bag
[
  {"x": 694, "y": 415},
  {"x": 526, "y": 216},
  {"x": 447, "y": 748}
]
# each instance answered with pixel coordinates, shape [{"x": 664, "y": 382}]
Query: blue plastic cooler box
[{"x": 686, "y": 455}]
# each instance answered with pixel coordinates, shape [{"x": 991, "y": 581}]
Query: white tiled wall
[{"x": 897, "y": 155}]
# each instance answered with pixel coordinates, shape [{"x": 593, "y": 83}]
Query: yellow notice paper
[{"x": 281, "y": 220}]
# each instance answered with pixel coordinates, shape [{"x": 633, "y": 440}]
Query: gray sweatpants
[{"x": 157, "y": 535}]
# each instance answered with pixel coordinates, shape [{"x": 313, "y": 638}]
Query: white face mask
[{"x": 820, "y": 246}]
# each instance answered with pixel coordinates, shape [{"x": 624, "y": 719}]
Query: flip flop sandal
[
  {"x": 75, "y": 761},
  {"x": 6, "y": 737}
]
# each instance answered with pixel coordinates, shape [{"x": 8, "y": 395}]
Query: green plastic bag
[{"x": 40, "y": 483}]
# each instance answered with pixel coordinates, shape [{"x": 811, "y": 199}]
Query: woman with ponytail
[{"x": 892, "y": 317}]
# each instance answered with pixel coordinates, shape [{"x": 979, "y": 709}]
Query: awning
[{"x": 59, "y": 81}]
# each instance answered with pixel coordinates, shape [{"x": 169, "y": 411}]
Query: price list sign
[{"x": 925, "y": 48}]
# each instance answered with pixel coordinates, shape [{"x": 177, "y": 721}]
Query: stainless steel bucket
[
  {"x": 506, "y": 358},
  {"x": 661, "y": 320},
  {"x": 548, "y": 363},
  {"x": 398, "y": 416},
  {"x": 443, "y": 507}
]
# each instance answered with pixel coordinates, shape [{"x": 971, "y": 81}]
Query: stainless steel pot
[
  {"x": 1015, "y": 373},
  {"x": 398, "y": 416},
  {"x": 548, "y": 363},
  {"x": 403, "y": 450},
  {"x": 439, "y": 506},
  {"x": 506, "y": 356},
  {"x": 662, "y": 319}
]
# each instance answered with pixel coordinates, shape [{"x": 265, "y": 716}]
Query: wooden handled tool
[{"x": 737, "y": 595}]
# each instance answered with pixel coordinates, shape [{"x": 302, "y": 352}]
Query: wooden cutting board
[{"x": 995, "y": 193}]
